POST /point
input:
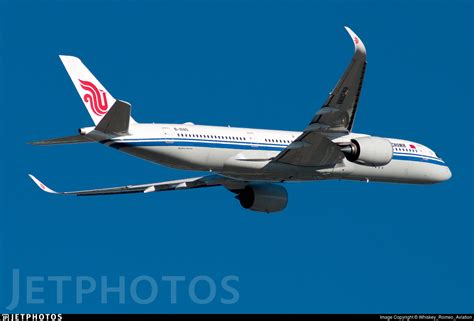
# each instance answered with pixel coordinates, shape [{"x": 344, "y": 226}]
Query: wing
[
  {"x": 313, "y": 148},
  {"x": 188, "y": 183},
  {"x": 338, "y": 112}
]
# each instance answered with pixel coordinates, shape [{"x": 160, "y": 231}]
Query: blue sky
[{"x": 338, "y": 247}]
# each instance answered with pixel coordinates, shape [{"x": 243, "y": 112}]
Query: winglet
[
  {"x": 41, "y": 185},
  {"x": 358, "y": 44}
]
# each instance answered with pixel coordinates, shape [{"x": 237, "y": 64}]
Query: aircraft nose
[
  {"x": 438, "y": 174},
  {"x": 447, "y": 174},
  {"x": 443, "y": 175}
]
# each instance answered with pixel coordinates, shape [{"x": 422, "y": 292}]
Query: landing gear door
[{"x": 167, "y": 135}]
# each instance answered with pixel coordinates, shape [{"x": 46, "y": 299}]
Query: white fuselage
[{"x": 245, "y": 154}]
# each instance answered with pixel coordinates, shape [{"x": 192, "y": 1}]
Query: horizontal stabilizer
[{"x": 76, "y": 139}]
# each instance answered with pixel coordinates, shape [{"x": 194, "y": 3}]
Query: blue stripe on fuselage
[
  {"x": 241, "y": 145},
  {"x": 228, "y": 145},
  {"x": 418, "y": 159},
  {"x": 197, "y": 140}
]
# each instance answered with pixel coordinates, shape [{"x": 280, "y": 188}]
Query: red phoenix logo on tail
[{"x": 97, "y": 103}]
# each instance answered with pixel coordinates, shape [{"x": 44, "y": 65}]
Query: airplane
[{"x": 252, "y": 163}]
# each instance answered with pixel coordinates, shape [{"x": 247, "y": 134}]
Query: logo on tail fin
[{"x": 98, "y": 104}]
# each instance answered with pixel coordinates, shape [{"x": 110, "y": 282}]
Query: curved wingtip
[
  {"x": 41, "y": 185},
  {"x": 358, "y": 44}
]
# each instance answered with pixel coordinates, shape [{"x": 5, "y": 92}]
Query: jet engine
[
  {"x": 263, "y": 197},
  {"x": 369, "y": 151}
]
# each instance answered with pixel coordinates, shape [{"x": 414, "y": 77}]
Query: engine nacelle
[
  {"x": 370, "y": 151},
  {"x": 263, "y": 197}
]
